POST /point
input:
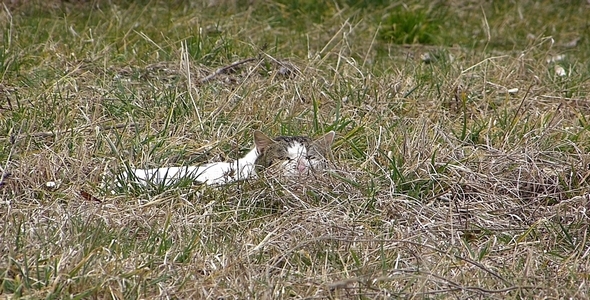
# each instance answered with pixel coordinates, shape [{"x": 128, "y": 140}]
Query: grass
[{"x": 461, "y": 164}]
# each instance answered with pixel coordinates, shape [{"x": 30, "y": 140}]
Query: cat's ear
[
  {"x": 325, "y": 142},
  {"x": 262, "y": 141}
]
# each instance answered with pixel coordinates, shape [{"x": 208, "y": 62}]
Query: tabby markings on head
[{"x": 292, "y": 155}]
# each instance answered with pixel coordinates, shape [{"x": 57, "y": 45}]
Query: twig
[{"x": 225, "y": 69}]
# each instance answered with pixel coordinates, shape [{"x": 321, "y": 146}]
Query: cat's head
[{"x": 293, "y": 155}]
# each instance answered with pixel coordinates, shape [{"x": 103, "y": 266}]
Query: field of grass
[{"x": 461, "y": 166}]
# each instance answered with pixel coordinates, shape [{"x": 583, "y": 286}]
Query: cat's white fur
[
  {"x": 216, "y": 173},
  {"x": 298, "y": 163}
]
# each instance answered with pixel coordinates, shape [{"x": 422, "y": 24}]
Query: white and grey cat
[{"x": 283, "y": 155}]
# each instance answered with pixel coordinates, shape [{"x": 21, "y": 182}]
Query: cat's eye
[{"x": 310, "y": 157}]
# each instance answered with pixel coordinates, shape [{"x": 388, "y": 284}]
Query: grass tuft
[{"x": 413, "y": 25}]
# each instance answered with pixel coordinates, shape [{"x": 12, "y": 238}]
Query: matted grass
[{"x": 460, "y": 170}]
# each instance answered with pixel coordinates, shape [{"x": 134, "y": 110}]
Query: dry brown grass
[{"x": 444, "y": 183}]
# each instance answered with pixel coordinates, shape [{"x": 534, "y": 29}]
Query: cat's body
[
  {"x": 283, "y": 155},
  {"x": 212, "y": 174}
]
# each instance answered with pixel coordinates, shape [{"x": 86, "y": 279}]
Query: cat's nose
[{"x": 301, "y": 167}]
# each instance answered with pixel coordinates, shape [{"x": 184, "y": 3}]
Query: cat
[{"x": 283, "y": 155}]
